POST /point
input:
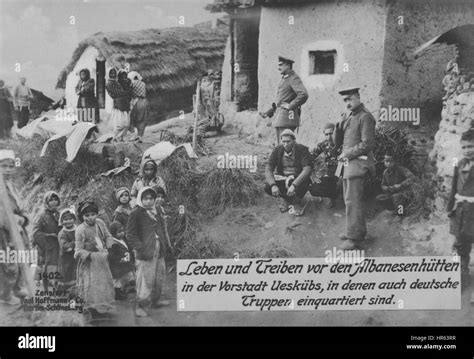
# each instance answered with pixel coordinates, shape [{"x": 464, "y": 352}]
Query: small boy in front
[
  {"x": 121, "y": 263},
  {"x": 461, "y": 205}
]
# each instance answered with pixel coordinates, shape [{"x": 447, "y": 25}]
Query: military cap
[
  {"x": 349, "y": 91},
  {"x": 284, "y": 59}
]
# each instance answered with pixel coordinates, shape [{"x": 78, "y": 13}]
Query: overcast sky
[{"x": 38, "y": 33}]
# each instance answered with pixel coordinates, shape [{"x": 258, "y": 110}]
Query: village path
[
  {"x": 262, "y": 226},
  {"x": 255, "y": 228}
]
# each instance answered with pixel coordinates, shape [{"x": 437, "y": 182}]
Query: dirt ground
[{"x": 261, "y": 226}]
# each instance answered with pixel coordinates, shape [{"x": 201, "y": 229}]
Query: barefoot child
[
  {"x": 94, "y": 280},
  {"x": 146, "y": 235},
  {"x": 121, "y": 263},
  {"x": 45, "y": 237},
  {"x": 67, "y": 263}
]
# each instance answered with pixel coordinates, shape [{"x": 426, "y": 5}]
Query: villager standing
[
  {"x": 6, "y": 120},
  {"x": 291, "y": 95},
  {"x": 139, "y": 104},
  {"x": 85, "y": 89},
  {"x": 357, "y": 133},
  {"x": 67, "y": 237},
  {"x": 94, "y": 280},
  {"x": 22, "y": 99},
  {"x": 121, "y": 108},
  {"x": 148, "y": 178},
  {"x": 45, "y": 238},
  {"x": 146, "y": 235},
  {"x": 461, "y": 205},
  {"x": 11, "y": 279}
]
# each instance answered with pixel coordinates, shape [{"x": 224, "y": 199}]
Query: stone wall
[{"x": 457, "y": 117}]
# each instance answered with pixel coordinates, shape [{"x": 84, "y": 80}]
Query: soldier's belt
[{"x": 460, "y": 198}]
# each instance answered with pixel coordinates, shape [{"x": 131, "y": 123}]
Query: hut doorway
[{"x": 100, "y": 80}]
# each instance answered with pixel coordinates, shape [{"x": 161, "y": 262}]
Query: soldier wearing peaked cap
[
  {"x": 291, "y": 95},
  {"x": 356, "y": 133}
]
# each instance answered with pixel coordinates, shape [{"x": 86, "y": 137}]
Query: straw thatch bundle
[
  {"x": 223, "y": 188},
  {"x": 168, "y": 59}
]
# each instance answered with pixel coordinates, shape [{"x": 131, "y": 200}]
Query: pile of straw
[{"x": 226, "y": 188}]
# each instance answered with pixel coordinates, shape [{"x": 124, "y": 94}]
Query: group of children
[{"x": 82, "y": 256}]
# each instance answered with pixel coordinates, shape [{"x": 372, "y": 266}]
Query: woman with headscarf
[
  {"x": 146, "y": 235},
  {"x": 6, "y": 120},
  {"x": 85, "y": 89},
  {"x": 45, "y": 238},
  {"x": 148, "y": 177},
  {"x": 120, "y": 92},
  {"x": 94, "y": 280},
  {"x": 139, "y": 104}
]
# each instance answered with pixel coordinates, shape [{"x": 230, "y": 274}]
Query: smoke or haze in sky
[{"x": 39, "y": 34}]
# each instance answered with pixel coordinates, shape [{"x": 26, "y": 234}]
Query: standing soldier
[
  {"x": 357, "y": 132},
  {"x": 291, "y": 95}
]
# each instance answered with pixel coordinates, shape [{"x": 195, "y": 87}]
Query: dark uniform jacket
[
  {"x": 358, "y": 133},
  {"x": 302, "y": 162},
  {"x": 292, "y": 91},
  {"x": 462, "y": 220}
]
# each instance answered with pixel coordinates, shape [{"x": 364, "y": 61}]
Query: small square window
[{"x": 322, "y": 62}]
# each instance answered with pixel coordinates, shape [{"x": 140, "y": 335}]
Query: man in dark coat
[
  {"x": 293, "y": 167},
  {"x": 291, "y": 95},
  {"x": 356, "y": 131}
]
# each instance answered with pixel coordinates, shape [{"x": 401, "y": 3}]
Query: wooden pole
[
  {"x": 196, "y": 113},
  {"x": 15, "y": 234}
]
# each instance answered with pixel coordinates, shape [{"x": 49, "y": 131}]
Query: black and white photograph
[{"x": 237, "y": 163}]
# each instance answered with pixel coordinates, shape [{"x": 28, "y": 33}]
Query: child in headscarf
[
  {"x": 148, "y": 178},
  {"x": 85, "y": 90},
  {"x": 120, "y": 260},
  {"x": 45, "y": 237},
  {"x": 67, "y": 237},
  {"x": 121, "y": 109},
  {"x": 122, "y": 212},
  {"x": 94, "y": 280},
  {"x": 146, "y": 235}
]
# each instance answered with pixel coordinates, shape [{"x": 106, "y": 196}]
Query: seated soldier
[
  {"x": 326, "y": 185},
  {"x": 396, "y": 181},
  {"x": 293, "y": 167}
]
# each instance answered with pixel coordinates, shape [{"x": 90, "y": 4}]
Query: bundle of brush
[
  {"x": 183, "y": 226},
  {"x": 179, "y": 173},
  {"x": 221, "y": 188},
  {"x": 187, "y": 138},
  {"x": 394, "y": 140}
]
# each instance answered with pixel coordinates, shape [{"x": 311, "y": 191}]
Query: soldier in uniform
[
  {"x": 291, "y": 95},
  {"x": 356, "y": 131}
]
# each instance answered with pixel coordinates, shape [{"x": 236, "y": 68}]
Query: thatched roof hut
[{"x": 169, "y": 60}]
